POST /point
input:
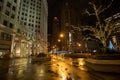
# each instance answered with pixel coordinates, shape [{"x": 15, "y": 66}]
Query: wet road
[{"x": 57, "y": 69}]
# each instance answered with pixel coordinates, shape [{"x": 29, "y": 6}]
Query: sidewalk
[{"x": 112, "y": 66}]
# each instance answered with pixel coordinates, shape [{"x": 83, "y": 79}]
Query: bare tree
[{"x": 103, "y": 30}]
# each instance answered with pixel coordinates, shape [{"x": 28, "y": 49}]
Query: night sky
[
  {"x": 53, "y": 10},
  {"x": 54, "y": 7}
]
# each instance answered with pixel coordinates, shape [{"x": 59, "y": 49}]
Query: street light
[
  {"x": 61, "y": 35},
  {"x": 79, "y": 44},
  {"x": 60, "y": 40}
]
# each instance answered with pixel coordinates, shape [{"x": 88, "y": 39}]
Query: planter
[{"x": 112, "y": 66}]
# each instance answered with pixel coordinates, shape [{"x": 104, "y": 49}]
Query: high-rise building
[
  {"x": 44, "y": 25},
  {"x": 23, "y": 26},
  {"x": 32, "y": 16},
  {"x": 55, "y": 32},
  {"x": 8, "y": 11},
  {"x": 8, "y": 28},
  {"x": 69, "y": 18}
]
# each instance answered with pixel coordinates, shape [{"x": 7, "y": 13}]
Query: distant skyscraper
[
  {"x": 69, "y": 17},
  {"x": 55, "y": 31}
]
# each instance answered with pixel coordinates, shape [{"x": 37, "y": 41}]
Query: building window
[
  {"x": 12, "y": 16},
  {"x": 22, "y": 13},
  {"x": 7, "y": 12},
  {"x": 13, "y": 8},
  {"x": 33, "y": 8},
  {"x": 36, "y": 30},
  {"x": 5, "y": 22},
  {"x": 24, "y": 23},
  {"x": 32, "y": 25},
  {"x": 8, "y": 4},
  {"x": 11, "y": 25},
  {"x": 30, "y": 7},
  {"x": 26, "y": 14},
  {"x": 0, "y": 8},
  {"x": 15, "y": 1},
  {"x": 24, "y": 1},
  {"x": 1, "y": 0},
  {"x": 36, "y": 26},
  {"x": 24, "y": 5},
  {"x": 21, "y": 18},
  {"x": 5, "y": 36},
  {"x": 29, "y": 24}
]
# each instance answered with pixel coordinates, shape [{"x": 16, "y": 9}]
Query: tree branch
[
  {"x": 89, "y": 14},
  {"x": 100, "y": 10}
]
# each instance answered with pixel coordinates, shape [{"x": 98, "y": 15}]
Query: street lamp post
[{"x": 61, "y": 36}]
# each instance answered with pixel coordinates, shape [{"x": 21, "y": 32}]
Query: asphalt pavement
[{"x": 58, "y": 68}]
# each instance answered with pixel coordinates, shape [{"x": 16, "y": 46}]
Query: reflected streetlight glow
[
  {"x": 63, "y": 77},
  {"x": 81, "y": 62}
]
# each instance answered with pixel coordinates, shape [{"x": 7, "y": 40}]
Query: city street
[
  {"x": 58, "y": 68},
  {"x": 59, "y": 39}
]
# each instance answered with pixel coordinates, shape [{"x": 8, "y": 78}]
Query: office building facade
[
  {"x": 8, "y": 25},
  {"x": 25, "y": 22}
]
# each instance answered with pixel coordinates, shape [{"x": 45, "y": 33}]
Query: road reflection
[
  {"x": 59, "y": 68},
  {"x": 80, "y": 63},
  {"x": 65, "y": 67}
]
